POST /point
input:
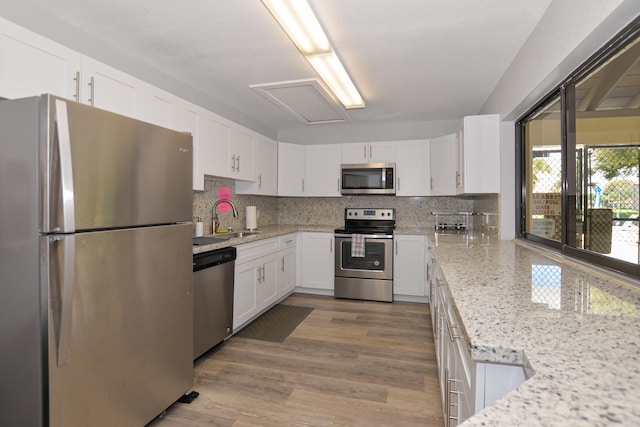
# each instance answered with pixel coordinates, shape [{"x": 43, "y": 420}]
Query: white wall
[{"x": 569, "y": 33}]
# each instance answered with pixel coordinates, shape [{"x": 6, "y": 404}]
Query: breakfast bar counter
[{"x": 574, "y": 329}]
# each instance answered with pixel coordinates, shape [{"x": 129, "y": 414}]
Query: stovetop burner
[{"x": 368, "y": 221}]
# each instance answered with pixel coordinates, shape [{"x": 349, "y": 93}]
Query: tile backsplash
[{"x": 410, "y": 211}]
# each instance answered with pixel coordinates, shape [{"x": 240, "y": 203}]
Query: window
[{"x": 579, "y": 161}]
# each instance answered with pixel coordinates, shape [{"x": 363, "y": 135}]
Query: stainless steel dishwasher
[{"x": 212, "y": 298}]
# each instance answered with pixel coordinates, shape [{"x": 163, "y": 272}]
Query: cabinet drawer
[
  {"x": 287, "y": 241},
  {"x": 253, "y": 250}
]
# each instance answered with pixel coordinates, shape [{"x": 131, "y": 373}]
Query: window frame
[{"x": 565, "y": 91}]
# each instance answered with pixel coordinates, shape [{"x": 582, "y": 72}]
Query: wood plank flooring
[{"x": 349, "y": 363}]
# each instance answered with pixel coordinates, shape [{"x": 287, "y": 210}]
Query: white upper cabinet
[
  {"x": 443, "y": 156},
  {"x": 265, "y": 169},
  {"x": 110, "y": 89},
  {"x": 31, "y": 65},
  {"x": 214, "y": 146},
  {"x": 240, "y": 154},
  {"x": 412, "y": 168},
  {"x": 291, "y": 169},
  {"x": 189, "y": 120},
  {"x": 159, "y": 107},
  {"x": 369, "y": 152},
  {"x": 478, "y": 159},
  {"x": 323, "y": 170}
]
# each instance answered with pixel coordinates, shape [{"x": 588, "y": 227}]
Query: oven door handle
[{"x": 366, "y": 236}]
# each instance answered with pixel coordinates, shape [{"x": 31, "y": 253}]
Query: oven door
[{"x": 377, "y": 262}]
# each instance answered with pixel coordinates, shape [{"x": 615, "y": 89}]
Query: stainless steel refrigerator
[{"x": 96, "y": 310}]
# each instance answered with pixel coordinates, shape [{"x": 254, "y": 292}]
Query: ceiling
[{"x": 412, "y": 60}]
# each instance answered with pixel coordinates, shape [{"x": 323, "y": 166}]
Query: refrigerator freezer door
[
  {"x": 129, "y": 328},
  {"x": 124, "y": 172}
]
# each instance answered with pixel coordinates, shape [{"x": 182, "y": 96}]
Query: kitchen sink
[{"x": 246, "y": 233}]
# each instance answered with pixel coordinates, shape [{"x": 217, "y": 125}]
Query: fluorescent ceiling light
[
  {"x": 329, "y": 67},
  {"x": 297, "y": 19},
  {"x": 301, "y": 25}
]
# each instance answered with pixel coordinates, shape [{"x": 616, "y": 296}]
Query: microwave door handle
[{"x": 66, "y": 167}]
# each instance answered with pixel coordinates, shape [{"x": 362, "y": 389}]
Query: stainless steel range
[{"x": 364, "y": 255}]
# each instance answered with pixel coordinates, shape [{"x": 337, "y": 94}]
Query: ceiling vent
[{"x": 306, "y": 100}]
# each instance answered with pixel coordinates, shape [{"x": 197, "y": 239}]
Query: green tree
[{"x": 616, "y": 161}]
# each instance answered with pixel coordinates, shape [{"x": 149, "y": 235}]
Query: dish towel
[{"x": 357, "y": 245}]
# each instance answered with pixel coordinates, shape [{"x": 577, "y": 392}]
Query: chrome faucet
[{"x": 216, "y": 222}]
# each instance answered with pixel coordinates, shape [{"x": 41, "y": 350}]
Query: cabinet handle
[
  {"x": 303, "y": 185},
  {"x": 370, "y": 152},
  {"x": 456, "y": 405},
  {"x": 396, "y": 246},
  {"x": 364, "y": 155},
  {"x": 238, "y": 163},
  {"x": 458, "y": 176},
  {"x": 260, "y": 181},
  {"x": 330, "y": 245},
  {"x": 447, "y": 421},
  {"x": 288, "y": 241},
  {"x": 259, "y": 279},
  {"x": 77, "y": 80},
  {"x": 92, "y": 83},
  {"x": 431, "y": 184},
  {"x": 451, "y": 328},
  {"x": 233, "y": 163},
  {"x": 398, "y": 184},
  {"x": 338, "y": 185},
  {"x": 282, "y": 265}
]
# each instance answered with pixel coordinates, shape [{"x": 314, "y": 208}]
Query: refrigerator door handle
[
  {"x": 66, "y": 282},
  {"x": 66, "y": 167}
]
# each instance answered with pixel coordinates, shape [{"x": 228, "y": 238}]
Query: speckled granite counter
[
  {"x": 576, "y": 331},
  {"x": 264, "y": 233}
]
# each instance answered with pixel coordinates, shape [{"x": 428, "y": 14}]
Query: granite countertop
[
  {"x": 265, "y": 232},
  {"x": 575, "y": 330}
]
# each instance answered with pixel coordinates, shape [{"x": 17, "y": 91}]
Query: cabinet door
[
  {"x": 409, "y": 271},
  {"x": 369, "y": 152},
  {"x": 214, "y": 151},
  {"x": 442, "y": 154},
  {"x": 412, "y": 168},
  {"x": 291, "y": 169},
  {"x": 479, "y": 155},
  {"x": 265, "y": 170},
  {"x": 110, "y": 89},
  {"x": 286, "y": 272},
  {"x": 159, "y": 107},
  {"x": 32, "y": 65},
  {"x": 323, "y": 170},
  {"x": 245, "y": 299},
  {"x": 241, "y": 148},
  {"x": 382, "y": 152},
  {"x": 355, "y": 153},
  {"x": 318, "y": 263},
  {"x": 267, "y": 284},
  {"x": 189, "y": 120}
]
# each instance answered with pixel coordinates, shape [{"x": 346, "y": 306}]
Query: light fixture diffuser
[
  {"x": 303, "y": 28},
  {"x": 301, "y": 25},
  {"x": 335, "y": 76}
]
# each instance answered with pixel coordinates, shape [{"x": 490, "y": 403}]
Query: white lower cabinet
[
  {"x": 286, "y": 276},
  {"x": 409, "y": 265},
  {"x": 466, "y": 386},
  {"x": 255, "y": 286},
  {"x": 318, "y": 260},
  {"x": 265, "y": 272}
]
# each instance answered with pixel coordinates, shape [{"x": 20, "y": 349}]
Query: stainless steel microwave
[{"x": 368, "y": 178}]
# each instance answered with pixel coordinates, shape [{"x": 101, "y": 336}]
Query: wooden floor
[{"x": 349, "y": 363}]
